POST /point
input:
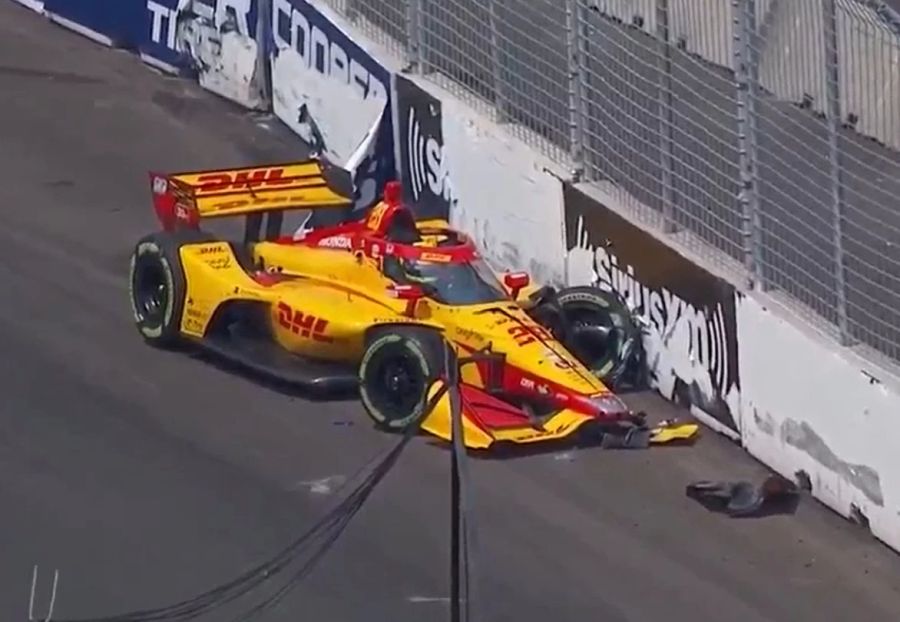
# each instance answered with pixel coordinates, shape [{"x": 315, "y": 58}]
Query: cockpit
[
  {"x": 451, "y": 283},
  {"x": 441, "y": 262}
]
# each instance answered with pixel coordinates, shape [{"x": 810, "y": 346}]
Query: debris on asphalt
[
  {"x": 633, "y": 438},
  {"x": 776, "y": 495},
  {"x": 670, "y": 431},
  {"x": 323, "y": 486}
]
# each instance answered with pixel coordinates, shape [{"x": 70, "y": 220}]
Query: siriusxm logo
[
  {"x": 427, "y": 164},
  {"x": 292, "y": 29}
]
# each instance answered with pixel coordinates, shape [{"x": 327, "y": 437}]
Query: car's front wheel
[
  {"x": 601, "y": 332},
  {"x": 396, "y": 372}
]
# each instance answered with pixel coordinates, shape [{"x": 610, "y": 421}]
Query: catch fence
[{"x": 768, "y": 131}]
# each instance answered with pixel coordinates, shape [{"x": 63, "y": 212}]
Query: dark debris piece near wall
[{"x": 776, "y": 495}]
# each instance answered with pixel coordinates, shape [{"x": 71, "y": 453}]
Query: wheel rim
[
  {"x": 593, "y": 338},
  {"x": 398, "y": 386},
  {"x": 151, "y": 294}
]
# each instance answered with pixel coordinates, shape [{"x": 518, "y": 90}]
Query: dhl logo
[
  {"x": 277, "y": 200},
  {"x": 527, "y": 334},
  {"x": 303, "y": 324},
  {"x": 240, "y": 180}
]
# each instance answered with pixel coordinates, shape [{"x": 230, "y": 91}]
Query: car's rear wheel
[
  {"x": 396, "y": 372},
  {"x": 157, "y": 286}
]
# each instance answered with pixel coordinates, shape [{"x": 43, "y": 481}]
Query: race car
[{"x": 377, "y": 304}]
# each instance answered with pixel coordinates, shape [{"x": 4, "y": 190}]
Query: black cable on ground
[
  {"x": 242, "y": 585},
  {"x": 329, "y": 527},
  {"x": 357, "y": 502}
]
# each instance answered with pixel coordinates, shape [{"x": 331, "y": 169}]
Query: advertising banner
[
  {"x": 333, "y": 94},
  {"x": 215, "y": 40},
  {"x": 419, "y": 145},
  {"x": 690, "y": 314},
  {"x": 114, "y": 23}
]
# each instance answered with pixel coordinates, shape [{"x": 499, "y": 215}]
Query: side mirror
[
  {"x": 410, "y": 293},
  {"x": 515, "y": 282}
]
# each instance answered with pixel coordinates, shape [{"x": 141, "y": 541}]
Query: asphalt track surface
[{"x": 146, "y": 477}]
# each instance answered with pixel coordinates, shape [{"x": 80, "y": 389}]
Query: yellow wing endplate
[
  {"x": 673, "y": 432},
  {"x": 309, "y": 184}
]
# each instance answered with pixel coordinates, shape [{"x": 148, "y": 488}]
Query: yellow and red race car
[{"x": 369, "y": 305}]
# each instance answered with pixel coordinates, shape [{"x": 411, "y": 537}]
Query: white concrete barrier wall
[
  {"x": 508, "y": 199},
  {"x": 805, "y": 407}
]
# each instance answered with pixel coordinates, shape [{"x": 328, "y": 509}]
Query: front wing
[{"x": 488, "y": 421}]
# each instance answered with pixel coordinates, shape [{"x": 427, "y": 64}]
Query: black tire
[
  {"x": 602, "y": 333},
  {"x": 157, "y": 286},
  {"x": 396, "y": 371}
]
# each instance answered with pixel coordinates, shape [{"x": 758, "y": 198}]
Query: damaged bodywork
[{"x": 221, "y": 46}]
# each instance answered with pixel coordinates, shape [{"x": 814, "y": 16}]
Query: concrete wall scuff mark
[{"x": 803, "y": 437}]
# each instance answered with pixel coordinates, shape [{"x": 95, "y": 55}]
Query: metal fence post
[
  {"x": 576, "y": 53},
  {"x": 832, "y": 73},
  {"x": 500, "y": 103},
  {"x": 666, "y": 116},
  {"x": 747, "y": 80},
  {"x": 263, "y": 67},
  {"x": 414, "y": 36}
]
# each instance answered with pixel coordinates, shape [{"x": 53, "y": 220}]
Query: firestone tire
[
  {"x": 156, "y": 285},
  {"x": 603, "y": 334},
  {"x": 396, "y": 372}
]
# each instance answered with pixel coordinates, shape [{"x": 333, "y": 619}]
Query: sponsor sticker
[
  {"x": 337, "y": 241},
  {"x": 436, "y": 257},
  {"x": 221, "y": 182}
]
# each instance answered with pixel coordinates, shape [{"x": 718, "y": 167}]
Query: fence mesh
[{"x": 768, "y": 131}]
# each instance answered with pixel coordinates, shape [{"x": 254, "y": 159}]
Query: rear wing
[{"x": 189, "y": 197}]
